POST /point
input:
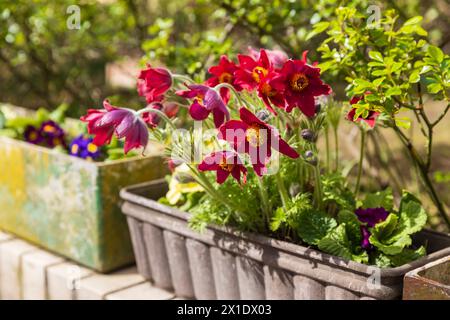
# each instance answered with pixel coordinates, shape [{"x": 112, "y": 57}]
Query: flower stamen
[
  {"x": 299, "y": 82},
  {"x": 259, "y": 73}
]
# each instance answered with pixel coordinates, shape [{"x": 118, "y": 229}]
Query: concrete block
[
  {"x": 143, "y": 291},
  {"x": 5, "y": 236},
  {"x": 64, "y": 279},
  {"x": 34, "y": 273},
  {"x": 11, "y": 253},
  {"x": 98, "y": 286}
]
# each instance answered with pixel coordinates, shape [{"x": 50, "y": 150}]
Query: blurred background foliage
[{"x": 44, "y": 63}]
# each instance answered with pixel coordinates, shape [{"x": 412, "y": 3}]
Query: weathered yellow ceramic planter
[{"x": 69, "y": 205}]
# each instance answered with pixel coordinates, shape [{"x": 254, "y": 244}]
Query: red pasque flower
[
  {"x": 224, "y": 73},
  {"x": 370, "y": 119},
  {"x": 151, "y": 118},
  {"x": 255, "y": 137},
  {"x": 276, "y": 57},
  {"x": 206, "y": 101},
  {"x": 269, "y": 94},
  {"x": 224, "y": 163},
  {"x": 153, "y": 83},
  {"x": 252, "y": 71},
  {"x": 300, "y": 83},
  {"x": 124, "y": 122}
]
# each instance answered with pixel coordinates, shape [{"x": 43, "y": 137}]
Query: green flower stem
[
  {"x": 282, "y": 190},
  {"x": 163, "y": 116},
  {"x": 318, "y": 187},
  {"x": 361, "y": 159},
  {"x": 327, "y": 144},
  {"x": 209, "y": 188},
  {"x": 264, "y": 199},
  {"x": 336, "y": 148},
  {"x": 236, "y": 94},
  {"x": 182, "y": 77}
]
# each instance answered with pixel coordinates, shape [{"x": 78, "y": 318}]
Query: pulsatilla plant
[{"x": 259, "y": 169}]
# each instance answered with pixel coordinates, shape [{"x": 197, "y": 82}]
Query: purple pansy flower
[
  {"x": 83, "y": 147},
  {"x": 52, "y": 134},
  {"x": 365, "y": 235},
  {"x": 32, "y": 135},
  {"x": 370, "y": 216}
]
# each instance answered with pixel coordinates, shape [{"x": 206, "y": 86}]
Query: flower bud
[
  {"x": 310, "y": 158},
  {"x": 309, "y": 154},
  {"x": 294, "y": 189},
  {"x": 308, "y": 135},
  {"x": 262, "y": 115},
  {"x": 318, "y": 108}
]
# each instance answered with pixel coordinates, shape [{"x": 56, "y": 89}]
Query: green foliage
[
  {"x": 394, "y": 234},
  {"x": 380, "y": 199},
  {"x": 337, "y": 243},
  {"x": 388, "y": 59},
  {"x": 335, "y": 191},
  {"x": 314, "y": 225},
  {"x": 352, "y": 226}
]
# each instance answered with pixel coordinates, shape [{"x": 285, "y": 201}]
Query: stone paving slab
[{"x": 29, "y": 272}]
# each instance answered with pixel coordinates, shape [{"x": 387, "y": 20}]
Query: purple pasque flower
[
  {"x": 371, "y": 216},
  {"x": 32, "y": 135},
  {"x": 206, "y": 101},
  {"x": 83, "y": 147},
  {"x": 125, "y": 123},
  {"x": 52, "y": 134}
]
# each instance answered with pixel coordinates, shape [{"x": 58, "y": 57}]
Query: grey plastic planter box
[{"x": 224, "y": 264}]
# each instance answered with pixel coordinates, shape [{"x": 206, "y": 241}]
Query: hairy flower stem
[
  {"x": 182, "y": 77},
  {"x": 163, "y": 116},
  {"x": 327, "y": 144},
  {"x": 264, "y": 200},
  {"x": 361, "y": 159},
  {"x": 213, "y": 193},
  {"x": 282, "y": 190},
  {"x": 318, "y": 187},
  {"x": 235, "y": 93},
  {"x": 336, "y": 148},
  {"x": 423, "y": 170}
]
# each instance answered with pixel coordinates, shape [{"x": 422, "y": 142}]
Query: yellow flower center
[
  {"x": 299, "y": 82},
  {"x": 266, "y": 89},
  {"x": 49, "y": 128},
  {"x": 226, "y": 77},
  {"x": 33, "y": 136},
  {"x": 259, "y": 73},
  {"x": 226, "y": 166},
  {"x": 253, "y": 135},
  {"x": 92, "y": 148},
  {"x": 74, "y": 149}
]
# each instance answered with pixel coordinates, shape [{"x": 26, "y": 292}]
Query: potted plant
[
  {"x": 60, "y": 191},
  {"x": 267, "y": 217}
]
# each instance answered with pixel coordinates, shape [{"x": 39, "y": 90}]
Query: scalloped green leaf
[
  {"x": 336, "y": 243},
  {"x": 379, "y": 199},
  {"x": 313, "y": 225}
]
